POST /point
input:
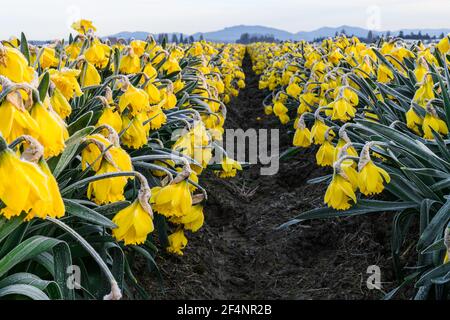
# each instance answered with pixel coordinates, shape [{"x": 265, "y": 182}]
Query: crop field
[{"x": 118, "y": 182}]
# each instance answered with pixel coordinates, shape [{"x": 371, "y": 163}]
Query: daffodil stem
[{"x": 96, "y": 178}]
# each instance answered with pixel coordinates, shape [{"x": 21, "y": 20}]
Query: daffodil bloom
[
  {"x": 384, "y": 74},
  {"x": 14, "y": 65},
  {"x": 302, "y": 138},
  {"x": 138, "y": 47},
  {"x": 16, "y": 122},
  {"x": 154, "y": 96},
  {"x": 413, "y": 121},
  {"x": 349, "y": 169},
  {"x": 349, "y": 94},
  {"x": 425, "y": 92},
  {"x": 444, "y": 45},
  {"x": 14, "y": 41},
  {"x": 268, "y": 110},
  {"x": 202, "y": 155},
  {"x": 371, "y": 179},
  {"x": 184, "y": 144},
  {"x": 108, "y": 190},
  {"x": 157, "y": 117},
  {"x": 33, "y": 194},
  {"x": 135, "y": 134},
  {"x": 193, "y": 221},
  {"x": 48, "y": 58},
  {"x": 214, "y": 125},
  {"x": 171, "y": 66},
  {"x": 66, "y": 82},
  {"x": 351, "y": 151},
  {"x": 91, "y": 77},
  {"x": 177, "y": 242},
  {"x": 318, "y": 131},
  {"x": 342, "y": 110},
  {"x": 136, "y": 100},
  {"x": 134, "y": 224},
  {"x": 174, "y": 200},
  {"x": 420, "y": 71},
  {"x": 307, "y": 100},
  {"x": 432, "y": 122},
  {"x": 170, "y": 100},
  {"x": 279, "y": 109},
  {"x": 365, "y": 69},
  {"x": 73, "y": 50},
  {"x": 111, "y": 117},
  {"x": 130, "y": 63},
  {"x": 83, "y": 26},
  {"x": 60, "y": 104},
  {"x": 230, "y": 168},
  {"x": 98, "y": 54},
  {"x": 339, "y": 193},
  {"x": 92, "y": 154},
  {"x": 54, "y": 127},
  {"x": 150, "y": 71},
  {"x": 325, "y": 154},
  {"x": 54, "y": 207}
]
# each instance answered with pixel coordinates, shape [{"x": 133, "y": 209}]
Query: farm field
[{"x": 117, "y": 180}]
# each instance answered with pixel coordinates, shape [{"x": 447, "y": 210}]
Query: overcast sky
[{"x": 50, "y": 19}]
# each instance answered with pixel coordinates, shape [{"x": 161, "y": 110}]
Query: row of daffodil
[
  {"x": 319, "y": 81},
  {"x": 379, "y": 116},
  {"x": 91, "y": 125}
]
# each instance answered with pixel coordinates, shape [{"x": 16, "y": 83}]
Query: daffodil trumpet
[{"x": 371, "y": 178}]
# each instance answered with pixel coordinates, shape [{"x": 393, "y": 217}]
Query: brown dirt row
[{"x": 239, "y": 254}]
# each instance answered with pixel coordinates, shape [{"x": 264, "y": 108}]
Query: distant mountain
[
  {"x": 231, "y": 34},
  {"x": 325, "y": 32}
]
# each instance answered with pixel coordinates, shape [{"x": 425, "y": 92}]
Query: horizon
[
  {"x": 152, "y": 16},
  {"x": 271, "y": 27}
]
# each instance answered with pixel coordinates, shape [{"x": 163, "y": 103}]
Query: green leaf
[
  {"x": 445, "y": 97},
  {"x": 24, "y": 290},
  {"x": 289, "y": 153},
  {"x": 112, "y": 209},
  {"x": 437, "y": 246},
  {"x": 43, "y": 86},
  {"x": 81, "y": 122},
  {"x": 363, "y": 207},
  {"x": 26, "y": 250},
  {"x": 72, "y": 145},
  {"x": 78, "y": 210},
  {"x": 83, "y": 182},
  {"x": 408, "y": 280},
  {"x": 415, "y": 147},
  {"x": 24, "y": 47},
  {"x": 50, "y": 287},
  {"x": 8, "y": 226},
  {"x": 440, "y": 274},
  {"x": 436, "y": 226}
]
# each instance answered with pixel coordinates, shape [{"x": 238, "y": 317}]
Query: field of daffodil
[
  {"x": 101, "y": 147},
  {"x": 378, "y": 116}
]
